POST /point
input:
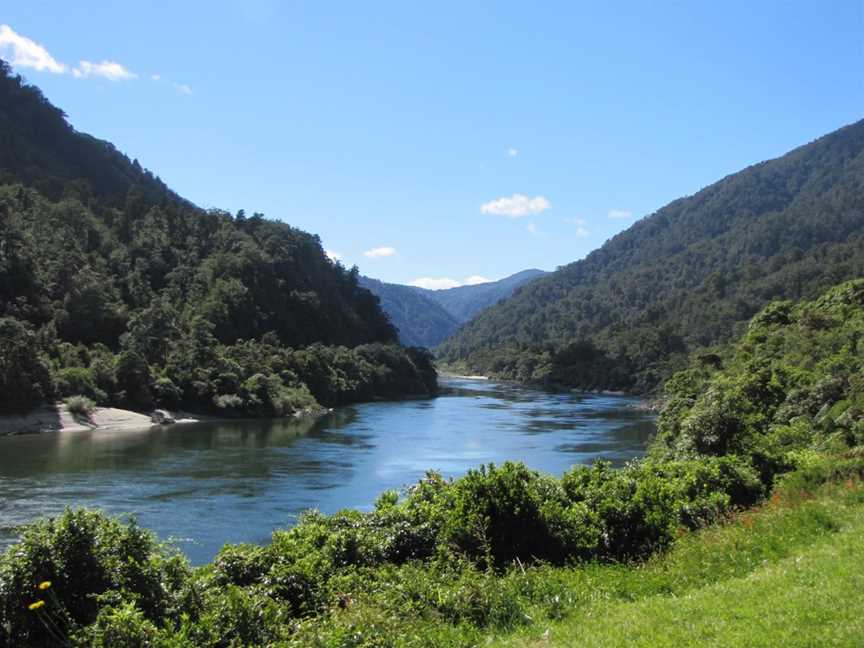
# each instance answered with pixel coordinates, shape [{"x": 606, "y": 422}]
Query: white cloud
[
  {"x": 435, "y": 283},
  {"x": 473, "y": 280},
  {"x": 380, "y": 252},
  {"x": 443, "y": 283},
  {"x": 620, "y": 214},
  {"x": 27, "y": 53},
  {"x": 333, "y": 256},
  {"x": 182, "y": 88},
  {"x": 156, "y": 77},
  {"x": 110, "y": 70},
  {"x": 512, "y": 152},
  {"x": 516, "y": 206}
]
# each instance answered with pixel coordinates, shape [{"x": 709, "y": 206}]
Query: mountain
[
  {"x": 426, "y": 318},
  {"x": 420, "y": 320},
  {"x": 114, "y": 287},
  {"x": 464, "y": 302},
  {"x": 687, "y": 276}
]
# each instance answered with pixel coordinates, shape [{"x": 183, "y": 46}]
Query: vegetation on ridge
[
  {"x": 114, "y": 288},
  {"x": 688, "y": 276},
  {"x": 778, "y": 412}
]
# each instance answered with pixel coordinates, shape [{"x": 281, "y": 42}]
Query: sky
[{"x": 443, "y": 143}]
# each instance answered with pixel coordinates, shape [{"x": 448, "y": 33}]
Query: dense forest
[
  {"x": 114, "y": 288},
  {"x": 688, "y": 276},
  {"x": 419, "y": 320},
  {"x": 426, "y": 317},
  {"x": 779, "y": 412}
]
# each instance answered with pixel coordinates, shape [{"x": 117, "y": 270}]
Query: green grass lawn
[{"x": 788, "y": 574}]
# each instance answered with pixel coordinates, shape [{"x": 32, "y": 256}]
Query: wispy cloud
[
  {"x": 25, "y": 53},
  {"x": 516, "y": 206},
  {"x": 380, "y": 252},
  {"x": 110, "y": 70},
  {"x": 443, "y": 283},
  {"x": 473, "y": 280},
  {"x": 333, "y": 256},
  {"x": 532, "y": 229},
  {"x": 620, "y": 214},
  {"x": 22, "y": 52},
  {"x": 435, "y": 283},
  {"x": 512, "y": 152},
  {"x": 580, "y": 223}
]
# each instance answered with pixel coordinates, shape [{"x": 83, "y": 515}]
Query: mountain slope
[
  {"x": 687, "y": 276},
  {"x": 114, "y": 287},
  {"x": 427, "y": 317},
  {"x": 464, "y": 302},
  {"x": 419, "y": 319}
]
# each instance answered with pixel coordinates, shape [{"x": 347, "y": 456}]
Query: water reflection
[{"x": 210, "y": 483}]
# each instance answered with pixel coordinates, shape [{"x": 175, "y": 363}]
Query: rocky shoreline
[{"x": 57, "y": 418}]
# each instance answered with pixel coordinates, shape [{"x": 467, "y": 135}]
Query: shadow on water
[{"x": 209, "y": 483}]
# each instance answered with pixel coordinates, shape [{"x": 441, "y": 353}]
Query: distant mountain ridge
[
  {"x": 427, "y": 317},
  {"x": 464, "y": 302},
  {"x": 688, "y": 276}
]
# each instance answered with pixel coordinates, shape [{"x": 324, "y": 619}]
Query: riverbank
[{"x": 58, "y": 418}]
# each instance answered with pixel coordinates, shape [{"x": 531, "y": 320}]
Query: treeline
[
  {"x": 113, "y": 287},
  {"x": 453, "y": 559},
  {"x": 686, "y": 277}
]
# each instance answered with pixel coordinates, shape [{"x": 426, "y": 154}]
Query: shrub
[
  {"x": 166, "y": 393},
  {"x": 80, "y": 406},
  {"x": 86, "y": 556},
  {"x": 25, "y": 380},
  {"x": 78, "y": 380}
]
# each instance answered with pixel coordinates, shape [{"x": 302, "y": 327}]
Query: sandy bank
[
  {"x": 57, "y": 418},
  {"x": 447, "y": 374}
]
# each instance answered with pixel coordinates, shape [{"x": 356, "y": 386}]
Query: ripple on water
[{"x": 202, "y": 485}]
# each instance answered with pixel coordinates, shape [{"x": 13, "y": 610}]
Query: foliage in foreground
[
  {"x": 454, "y": 560},
  {"x": 345, "y": 580}
]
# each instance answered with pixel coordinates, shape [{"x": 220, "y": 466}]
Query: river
[{"x": 204, "y": 484}]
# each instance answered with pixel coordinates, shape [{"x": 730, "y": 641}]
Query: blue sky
[{"x": 444, "y": 140}]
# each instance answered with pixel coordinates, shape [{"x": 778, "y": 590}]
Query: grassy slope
[{"x": 788, "y": 574}]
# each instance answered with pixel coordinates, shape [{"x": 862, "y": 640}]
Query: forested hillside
[
  {"x": 426, "y": 317},
  {"x": 418, "y": 318},
  {"x": 113, "y": 287},
  {"x": 464, "y": 302},
  {"x": 688, "y": 276},
  {"x": 776, "y": 418}
]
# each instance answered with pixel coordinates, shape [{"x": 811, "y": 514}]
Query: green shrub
[
  {"x": 84, "y": 555},
  {"x": 80, "y": 406},
  {"x": 166, "y": 393},
  {"x": 25, "y": 380},
  {"x": 73, "y": 381},
  {"x": 123, "y": 626}
]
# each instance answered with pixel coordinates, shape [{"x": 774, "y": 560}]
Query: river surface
[{"x": 204, "y": 484}]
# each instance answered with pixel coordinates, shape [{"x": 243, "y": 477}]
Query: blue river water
[{"x": 204, "y": 484}]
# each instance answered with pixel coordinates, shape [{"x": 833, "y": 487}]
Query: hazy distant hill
[
  {"x": 689, "y": 275},
  {"x": 465, "y": 302},
  {"x": 421, "y": 321},
  {"x": 427, "y": 317}
]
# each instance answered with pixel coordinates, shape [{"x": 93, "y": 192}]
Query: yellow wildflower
[
  {"x": 44, "y": 585},
  {"x": 36, "y": 605}
]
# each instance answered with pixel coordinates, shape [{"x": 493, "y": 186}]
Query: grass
[{"x": 788, "y": 573}]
